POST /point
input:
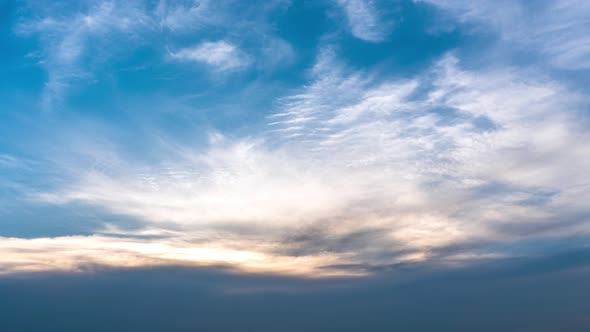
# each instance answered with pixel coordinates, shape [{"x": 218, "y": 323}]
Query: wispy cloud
[
  {"x": 364, "y": 20},
  {"x": 66, "y": 37},
  {"x": 77, "y": 40},
  {"x": 556, "y": 30},
  {"x": 187, "y": 15},
  {"x": 220, "y": 55}
]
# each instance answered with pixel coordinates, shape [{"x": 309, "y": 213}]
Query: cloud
[
  {"x": 554, "y": 30},
  {"x": 73, "y": 253},
  {"x": 220, "y": 55},
  {"x": 447, "y": 158},
  {"x": 364, "y": 20},
  {"x": 66, "y": 38},
  {"x": 76, "y": 42},
  {"x": 276, "y": 53},
  {"x": 187, "y": 15}
]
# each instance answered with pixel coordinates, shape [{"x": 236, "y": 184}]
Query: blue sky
[{"x": 293, "y": 138}]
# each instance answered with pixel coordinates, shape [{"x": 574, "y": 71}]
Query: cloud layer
[
  {"x": 318, "y": 160},
  {"x": 397, "y": 171}
]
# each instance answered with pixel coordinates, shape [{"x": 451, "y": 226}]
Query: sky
[{"x": 331, "y": 164}]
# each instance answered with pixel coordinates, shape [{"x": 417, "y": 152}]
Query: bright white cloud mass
[{"x": 332, "y": 166}]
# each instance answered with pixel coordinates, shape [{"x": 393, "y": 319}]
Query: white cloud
[
  {"x": 180, "y": 16},
  {"x": 556, "y": 30},
  {"x": 364, "y": 20},
  {"x": 220, "y": 55}
]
